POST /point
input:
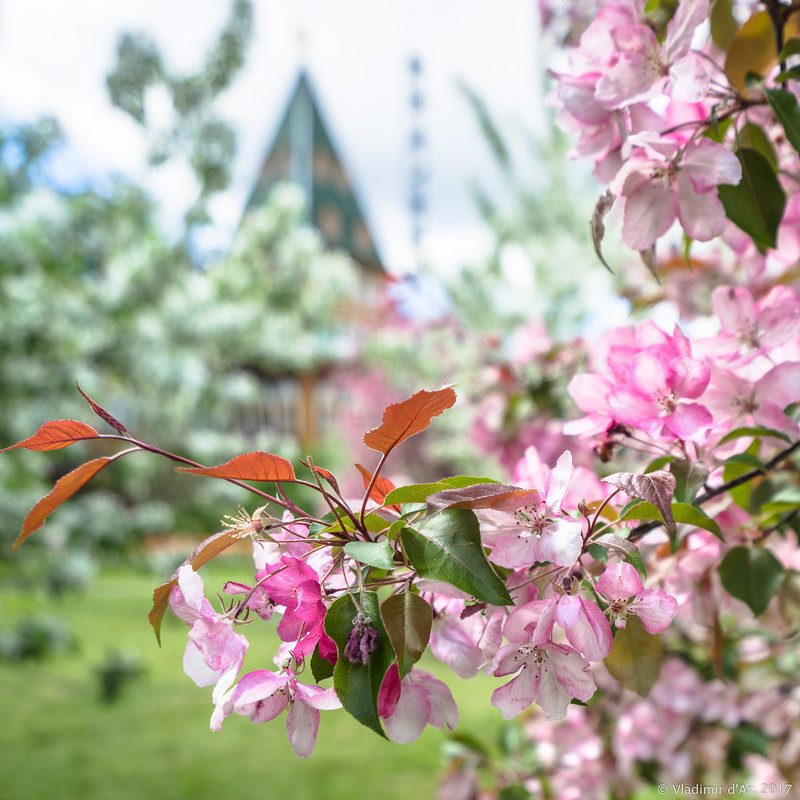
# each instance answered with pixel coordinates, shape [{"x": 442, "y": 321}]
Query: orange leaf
[
  {"x": 380, "y": 488},
  {"x": 65, "y": 487},
  {"x": 403, "y": 420},
  {"x": 257, "y": 466},
  {"x": 55, "y": 435},
  {"x": 205, "y": 551}
]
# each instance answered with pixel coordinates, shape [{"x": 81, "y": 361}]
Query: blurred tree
[
  {"x": 195, "y": 133},
  {"x": 91, "y": 289}
]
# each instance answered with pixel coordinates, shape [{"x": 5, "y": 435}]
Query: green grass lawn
[{"x": 58, "y": 741}]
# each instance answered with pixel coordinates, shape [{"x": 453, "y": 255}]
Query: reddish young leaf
[
  {"x": 403, "y": 420},
  {"x": 655, "y": 487},
  {"x": 257, "y": 466},
  {"x": 55, "y": 435},
  {"x": 380, "y": 488},
  {"x": 103, "y": 414},
  {"x": 481, "y": 495},
  {"x": 204, "y": 552},
  {"x": 325, "y": 474},
  {"x": 65, "y": 487}
]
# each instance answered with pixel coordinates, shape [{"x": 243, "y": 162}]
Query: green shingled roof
[{"x": 303, "y": 152}]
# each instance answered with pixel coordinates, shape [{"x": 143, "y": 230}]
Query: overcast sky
[{"x": 55, "y": 54}]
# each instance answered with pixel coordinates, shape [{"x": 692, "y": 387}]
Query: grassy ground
[{"x": 58, "y": 741}]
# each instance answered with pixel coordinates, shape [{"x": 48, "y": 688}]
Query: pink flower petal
[
  {"x": 649, "y": 213},
  {"x": 702, "y": 216},
  {"x": 656, "y": 610},
  {"x": 689, "y": 80},
  {"x": 681, "y": 28},
  {"x": 302, "y": 724},
  {"x": 515, "y": 696},
  {"x": 561, "y": 543},
  {"x": 558, "y": 481},
  {"x": 690, "y": 422},
  {"x": 619, "y": 581},
  {"x": 688, "y": 377}
]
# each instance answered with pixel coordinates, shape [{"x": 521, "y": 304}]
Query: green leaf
[
  {"x": 635, "y": 657},
  {"x": 733, "y": 469},
  {"x": 327, "y": 521},
  {"x": 514, "y": 791},
  {"x": 471, "y": 742},
  {"x": 416, "y": 493},
  {"x": 374, "y": 523},
  {"x": 756, "y": 204},
  {"x": 690, "y": 476},
  {"x": 756, "y": 431},
  {"x": 752, "y": 575},
  {"x": 753, "y": 136},
  {"x": 407, "y": 619},
  {"x": 790, "y": 48},
  {"x": 628, "y": 549},
  {"x": 791, "y": 74},
  {"x": 448, "y": 548},
  {"x": 748, "y": 459},
  {"x": 321, "y": 668},
  {"x": 461, "y": 481},
  {"x": 693, "y": 515},
  {"x": 753, "y": 48},
  {"x": 718, "y": 128},
  {"x": 658, "y": 463},
  {"x": 682, "y": 512},
  {"x": 358, "y": 685},
  {"x": 784, "y": 104},
  {"x": 376, "y": 554},
  {"x": 789, "y": 495}
]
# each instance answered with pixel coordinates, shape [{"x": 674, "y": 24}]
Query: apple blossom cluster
[
  {"x": 711, "y": 411},
  {"x": 690, "y": 396},
  {"x": 546, "y": 637},
  {"x": 668, "y": 117},
  {"x": 490, "y": 577}
]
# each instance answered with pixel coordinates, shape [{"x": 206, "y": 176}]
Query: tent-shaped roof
[{"x": 303, "y": 152}]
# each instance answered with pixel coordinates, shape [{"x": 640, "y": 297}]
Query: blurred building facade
[{"x": 302, "y": 152}]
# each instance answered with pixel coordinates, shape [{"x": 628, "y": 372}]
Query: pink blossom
[
  {"x": 263, "y": 695},
  {"x": 213, "y": 648},
  {"x": 665, "y": 180},
  {"x": 750, "y": 327},
  {"x": 621, "y": 584},
  {"x": 549, "y": 675},
  {"x": 586, "y": 626},
  {"x": 536, "y": 529},
  {"x": 295, "y": 585},
  {"x": 655, "y": 398},
  {"x": 615, "y": 354},
  {"x": 645, "y": 69},
  {"x": 257, "y": 600},
  {"x": 408, "y": 705},
  {"x": 283, "y": 538},
  {"x": 737, "y": 402},
  {"x": 467, "y": 642},
  {"x": 584, "y": 485}
]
